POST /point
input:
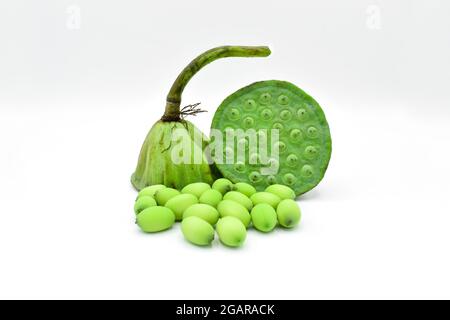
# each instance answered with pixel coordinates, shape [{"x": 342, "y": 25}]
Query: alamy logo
[{"x": 73, "y": 21}]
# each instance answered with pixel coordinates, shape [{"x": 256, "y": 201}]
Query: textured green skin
[
  {"x": 223, "y": 185},
  {"x": 211, "y": 197},
  {"x": 155, "y": 165},
  {"x": 239, "y": 198},
  {"x": 264, "y": 217},
  {"x": 180, "y": 203},
  {"x": 231, "y": 208},
  {"x": 292, "y": 172},
  {"x": 197, "y": 231},
  {"x": 244, "y": 188},
  {"x": 203, "y": 211},
  {"x": 282, "y": 191},
  {"x": 155, "y": 219},
  {"x": 164, "y": 195},
  {"x": 265, "y": 197},
  {"x": 288, "y": 213},
  {"x": 196, "y": 188},
  {"x": 143, "y": 203},
  {"x": 231, "y": 231}
]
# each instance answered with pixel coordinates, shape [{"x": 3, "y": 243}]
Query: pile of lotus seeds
[{"x": 230, "y": 208}]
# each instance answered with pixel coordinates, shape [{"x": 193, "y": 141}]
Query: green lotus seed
[
  {"x": 264, "y": 217},
  {"x": 244, "y": 188},
  {"x": 288, "y": 213},
  {"x": 180, "y": 203},
  {"x": 164, "y": 195},
  {"x": 211, "y": 197},
  {"x": 197, "y": 231},
  {"x": 281, "y": 191},
  {"x": 231, "y": 231},
  {"x": 203, "y": 211},
  {"x": 239, "y": 198},
  {"x": 151, "y": 190},
  {"x": 222, "y": 185},
  {"x": 155, "y": 219},
  {"x": 265, "y": 197},
  {"x": 143, "y": 203},
  {"x": 196, "y": 188},
  {"x": 228, "y": 208}
]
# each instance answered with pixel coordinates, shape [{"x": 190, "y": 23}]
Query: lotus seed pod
[
  {"x": 264, "y": 217},
  {"x": 180, "y": 203},
  {"x": 151, "y": 190},
  {"x": 244, "y": 188},
  {"x": 239, "y": 198},
  {"x": 197, "y": 231},
  {"x": 282, "y": 191},
  {"x": 164, "y": 195},
  {"x": 203, "y": 211},
  {"x": 196, "y": 189},
  {"x": 143, "y": 203},
  {"x": 231, "y": 208},
  {"x": 231, "y": 231},
  {"x": 155, "y": 219},
  {"x": 303, "y": 141},
  {"x": 165, "y": 159},
  {"x": 288, "y": 213},
  {"x": 222, "y": 185},
  {"x": 265, "y": 197},
  {"x": 211, "y": 197}
]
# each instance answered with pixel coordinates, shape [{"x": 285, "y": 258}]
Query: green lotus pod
[
  {"x": 174, "y": 151},
  {"x": 294, "y": 141}
]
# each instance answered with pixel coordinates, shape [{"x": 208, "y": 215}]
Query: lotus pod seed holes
[{"x": 303, "y": 136}]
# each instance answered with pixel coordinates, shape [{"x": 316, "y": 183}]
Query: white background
[{"x": 79, "y": 94}]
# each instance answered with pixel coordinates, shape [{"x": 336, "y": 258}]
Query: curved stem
[{"x": 172, "y": 112}]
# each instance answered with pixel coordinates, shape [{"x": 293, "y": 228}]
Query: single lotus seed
[
  {"x": 155, "y": 219},
  {"x": 197, "y": 231}
]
